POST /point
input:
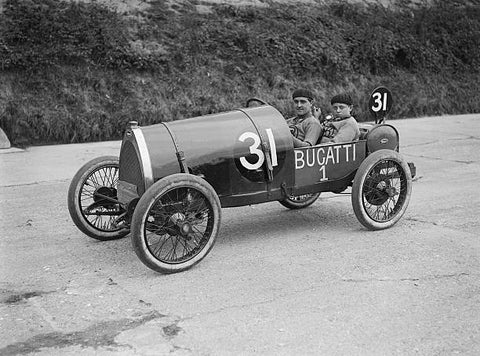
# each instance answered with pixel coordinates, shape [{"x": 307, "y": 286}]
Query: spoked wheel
[
  {"x": 299, "y": 201},
  {"x": 381, "y": 190},
  {"x": 92, "y": 200},
  {"x": 175, "y": 223}
]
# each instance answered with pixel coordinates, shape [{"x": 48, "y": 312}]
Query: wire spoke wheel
[
  {"x": 178, "y": 225},
  {"x": 299, "y": 201},
  {"x": 92, "y": 200},
  {"x": 381, "y": 190},
  {"x": 384, "y": 191},
  {"x": 98, "y": 210},
  {"x": 175, "y": 223}
]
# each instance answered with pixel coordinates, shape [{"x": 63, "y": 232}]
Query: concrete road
[{"x": 277, "y": 282}]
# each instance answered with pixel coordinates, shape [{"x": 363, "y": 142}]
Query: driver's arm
[
  {"x": 299, "y": 143},
  {"x": 312, "y": 133}
]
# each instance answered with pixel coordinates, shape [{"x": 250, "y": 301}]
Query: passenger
[
  {"x": 305, "y": 127},
  {"x": 342, "y": 127}
]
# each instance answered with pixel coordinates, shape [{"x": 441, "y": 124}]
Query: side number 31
[{"x": 256, "y": 150}]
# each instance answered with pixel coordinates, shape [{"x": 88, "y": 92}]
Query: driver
[{"x": 305, "y": 127}]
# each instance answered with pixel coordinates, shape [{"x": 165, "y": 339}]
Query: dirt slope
[{"x": 130, "y": 6}]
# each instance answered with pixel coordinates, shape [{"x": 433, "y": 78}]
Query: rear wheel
[
  {"x": 299, "y": 201},
  {"x": 381, "y": 189},
  {"x": 92, "y": 200},
  {"x": 175, "y": 223}
]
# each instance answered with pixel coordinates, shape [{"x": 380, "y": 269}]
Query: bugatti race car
[{"x": 171, "y": 180}]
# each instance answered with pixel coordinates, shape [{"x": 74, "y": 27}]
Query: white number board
[{"x": 380, "y": 103}]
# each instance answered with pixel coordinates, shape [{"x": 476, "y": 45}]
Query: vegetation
[{"x": 78, "y": 72}]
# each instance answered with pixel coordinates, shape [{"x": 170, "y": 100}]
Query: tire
[
  {"x": 381, "y": 190},
  {"x": 299, "y": 201},
  {"x": 175, "y": 223},
  {"x": 97, "y": 217}
]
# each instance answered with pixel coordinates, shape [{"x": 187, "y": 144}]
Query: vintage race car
[{"x": 171, "y": 179}]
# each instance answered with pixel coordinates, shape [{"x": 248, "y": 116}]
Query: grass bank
[{"x": 74, "y": 72}]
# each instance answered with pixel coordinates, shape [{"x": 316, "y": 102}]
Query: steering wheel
[{"x": 258, "y": 100}]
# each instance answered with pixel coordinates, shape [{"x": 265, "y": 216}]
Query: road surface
[{"x": 277, "y": 282}]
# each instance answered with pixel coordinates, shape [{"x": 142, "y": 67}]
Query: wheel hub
[
  {"x": 183, "y": 226},
  {"x": 102, "y": 192},
  {"x": 380, "y": 191},
  {"x": 185, "y": 229},
  {"x": 391, "y": 191}
]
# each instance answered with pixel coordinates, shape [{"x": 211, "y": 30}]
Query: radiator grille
[{"x": 130, "y": 168}]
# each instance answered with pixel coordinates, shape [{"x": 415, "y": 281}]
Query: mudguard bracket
[{"x": 180, "y": 154}]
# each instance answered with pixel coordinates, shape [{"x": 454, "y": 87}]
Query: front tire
[
  {"x": 91, "y": 200},
  {"x": 381, "y": 190},
  {"x": 175, "y": 223},
  {"x": 299, "y": 201}
]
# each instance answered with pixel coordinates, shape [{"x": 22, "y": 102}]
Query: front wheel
[
  {"x": 381, "y": 189},
  {"x": 92, "y": 200},
  {"x": 299, "y": 201},
  {"x": 175, "y": 223}
]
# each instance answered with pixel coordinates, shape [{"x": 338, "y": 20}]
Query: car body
[{"x": 171, "y": 180}]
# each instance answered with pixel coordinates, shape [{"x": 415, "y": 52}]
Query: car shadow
[
  {"x": 272, "y": 219},
  {"x": 325, "y": 218}
]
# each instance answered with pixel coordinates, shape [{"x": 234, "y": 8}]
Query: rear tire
[
  {"x": 175, "y": 223},
  {"x": 381, "y": 189},
  {"x": 95, "y": 216},
  {"x": 299, "y": 201}
]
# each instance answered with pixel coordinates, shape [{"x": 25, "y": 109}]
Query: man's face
[
  {"x": 303, "y": 105},
  {"x": 341, "y": 110}
]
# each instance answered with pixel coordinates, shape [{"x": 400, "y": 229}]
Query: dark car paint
[
  {"x": 212, "y": 150},
  {"x": 214, "y": 147}
]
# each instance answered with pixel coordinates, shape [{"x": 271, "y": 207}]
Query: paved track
[{"x": 277, "y": 282}]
